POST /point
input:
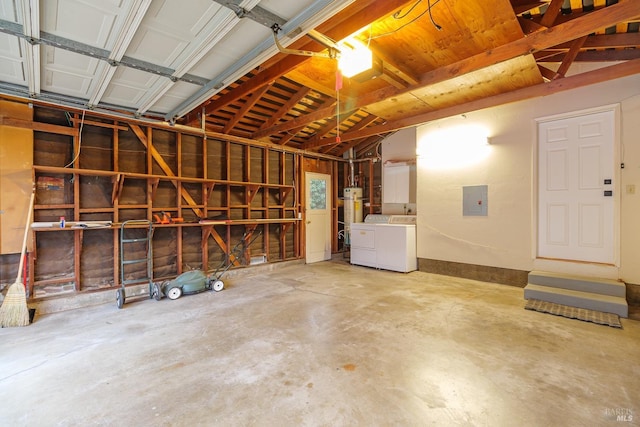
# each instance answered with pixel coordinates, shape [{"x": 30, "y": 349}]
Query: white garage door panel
[
  {"x": 155, "y": 46},
  {"x": 79, "y": 20},
  {"x": 231, "y": 49},
  {"x": 197, "y": 37},
  {"x": 9, "y": 10},
  {"x": 174, "y": 96}
]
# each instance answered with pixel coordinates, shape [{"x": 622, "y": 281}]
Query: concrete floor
[{"x": 327, "y": 344}]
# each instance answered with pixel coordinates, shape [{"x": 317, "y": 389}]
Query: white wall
[{"x": 506, "y": 237}]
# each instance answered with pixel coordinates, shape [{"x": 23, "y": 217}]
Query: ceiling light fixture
[{"x": 355, "y": 57}]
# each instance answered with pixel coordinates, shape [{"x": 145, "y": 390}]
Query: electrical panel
[{"x": 474, "y": 200}]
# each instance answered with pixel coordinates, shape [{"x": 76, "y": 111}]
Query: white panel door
[
  {"x": 575, "y": 193},
  {"x": 318, "y": 217}
]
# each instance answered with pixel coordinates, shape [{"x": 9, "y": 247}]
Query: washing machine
[{"x": 386, "y": 242}]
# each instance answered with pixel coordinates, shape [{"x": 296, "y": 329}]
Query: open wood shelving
[{"x": 225, "y": 191}]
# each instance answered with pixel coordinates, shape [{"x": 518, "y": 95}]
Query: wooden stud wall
[{"x": 132, "y": 171}]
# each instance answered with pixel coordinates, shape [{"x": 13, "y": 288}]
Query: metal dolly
[{"x": 128, "y": 239}]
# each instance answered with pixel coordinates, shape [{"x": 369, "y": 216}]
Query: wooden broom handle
[{"x": 26, "y": 234}]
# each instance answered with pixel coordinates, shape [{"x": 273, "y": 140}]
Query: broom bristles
[{"x": 14, "y": 310}]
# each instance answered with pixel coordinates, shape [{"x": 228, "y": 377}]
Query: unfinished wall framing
[{"x": 227, "y": 192}]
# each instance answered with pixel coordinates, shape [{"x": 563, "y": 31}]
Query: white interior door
[
  {"x": 318, "y": 217},
  {"x": 576, "y": 199}
]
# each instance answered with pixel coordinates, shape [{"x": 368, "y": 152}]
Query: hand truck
[{"x": 136, "y": 235}]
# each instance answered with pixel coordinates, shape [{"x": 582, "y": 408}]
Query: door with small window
[{"x": 317, "y": 217}]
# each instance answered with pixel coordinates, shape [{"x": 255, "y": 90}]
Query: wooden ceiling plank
[
  {"x": 334, "y": 28},
  {"x": 540, "y": 40},
  {"x": 387, "y": 62},
  {"x": 544, "y": 89},
  {"x": 584, "y": 25},
  {"x": 570, "y": 57}
]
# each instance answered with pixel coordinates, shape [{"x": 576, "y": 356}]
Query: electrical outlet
[{"x": 631, "y": 189}]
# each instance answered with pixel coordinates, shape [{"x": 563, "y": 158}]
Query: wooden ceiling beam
[
  {"x": 544, "y": 89},
  {"x": 547, "y": 73},
  {"x": 389, "y": 77},
  {"x": 332, "y": 124},
  {"x": 344, "y": 24},
  {"x": 575, "y": 14},
  {"x": 291, "y": 102},
  {"x": 520, "y": 7},
  {"x": 290, "y": 135},
  {"x": 552, "y": 13},
  {"x": 365, "y": 143},
  {"x": 570, "y": 57},
  {"x": 303, "y": 79},
  {"x": 540, "y": 40},
  {"x": 251, "y": 101},
  {"x": 529, "y": 25},
  {"x": 609, "y": 55},
  {"x": 607, "y": 41},
  {"x": 360, "y": 125}
]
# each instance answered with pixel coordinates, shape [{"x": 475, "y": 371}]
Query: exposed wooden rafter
[{"x": 542, "y": 39}]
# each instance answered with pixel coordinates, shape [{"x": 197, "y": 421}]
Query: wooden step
[
  {"x": 579, "y": 283},
  {"x": 591, "y": 301}
]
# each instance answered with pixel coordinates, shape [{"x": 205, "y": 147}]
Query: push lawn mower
[
  {"x": 196, "y": 281},
  {"x": 191, "y": 282}
]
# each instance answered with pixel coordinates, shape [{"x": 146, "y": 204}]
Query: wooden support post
[{"x": 265, "y": 201}]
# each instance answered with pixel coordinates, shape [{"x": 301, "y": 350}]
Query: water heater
[{"x": 352, "y": 205}]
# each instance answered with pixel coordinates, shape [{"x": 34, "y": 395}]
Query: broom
[{"x": 14, "y": 310}]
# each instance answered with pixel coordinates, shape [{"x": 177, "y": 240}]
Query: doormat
[{"x": 608, "y": 319}]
